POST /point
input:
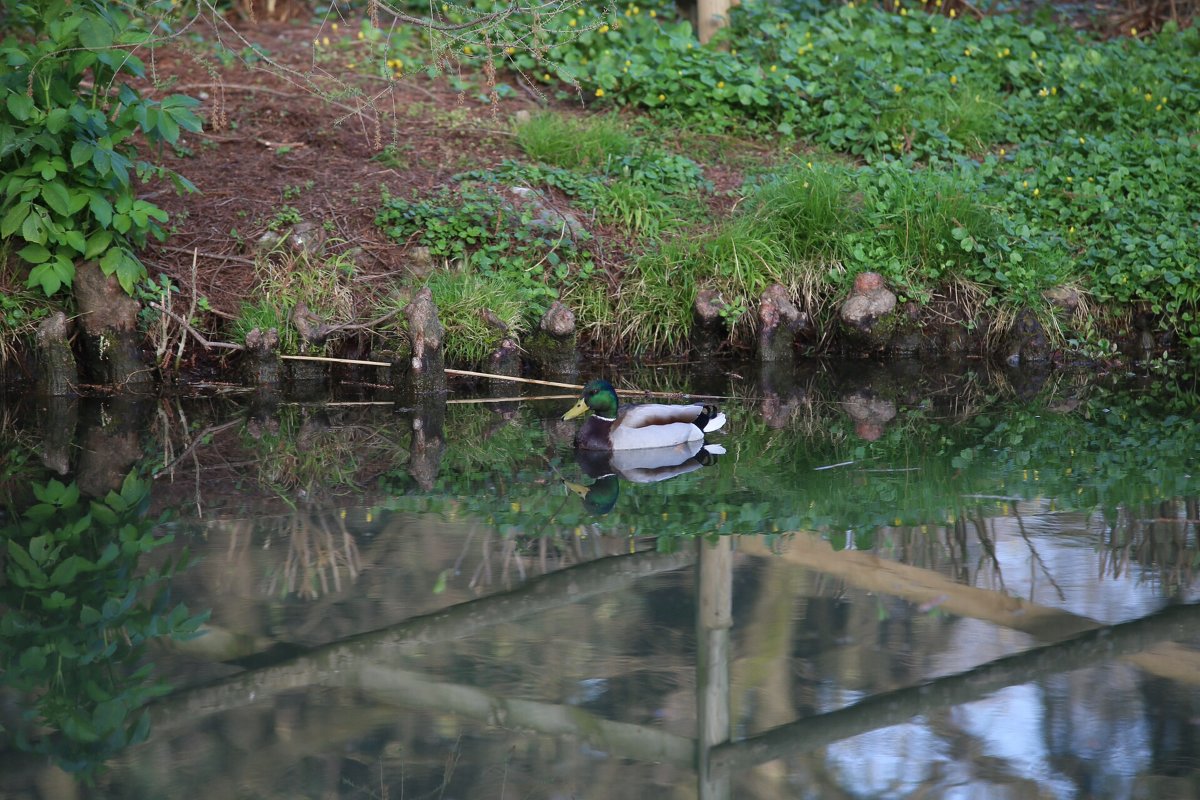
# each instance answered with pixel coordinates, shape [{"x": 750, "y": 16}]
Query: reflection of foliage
[
  {"x": 301, "y": 451},
  {"x": 1114, "y": 448},
  {"x": 76, "y": 612}
]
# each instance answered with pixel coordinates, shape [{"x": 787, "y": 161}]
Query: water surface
[{"x": 894, "y": 583}]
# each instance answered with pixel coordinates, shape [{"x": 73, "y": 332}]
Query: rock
[
  {"x": 779, "y": 323},
  {"x": 554, "y": 221},
  {"x": 420, "y": 261},
  {"x": 111, "y": 341},
  {"x": 303, "y": 238},
  {"x": 1064, "y": 297},
  {"x": 312, "y": 329}
]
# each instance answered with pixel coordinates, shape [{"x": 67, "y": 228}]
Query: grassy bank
[{"x": 987, "y": 154}]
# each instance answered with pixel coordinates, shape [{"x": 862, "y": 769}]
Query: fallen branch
[{"x": 199, "y": 337}]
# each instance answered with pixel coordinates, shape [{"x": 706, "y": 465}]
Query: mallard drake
[{"x": 640, "y": 426}]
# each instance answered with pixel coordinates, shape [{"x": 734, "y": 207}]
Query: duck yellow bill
[
  {"x": 577, "y": 488},
  {"x": 577, "y": 410}
]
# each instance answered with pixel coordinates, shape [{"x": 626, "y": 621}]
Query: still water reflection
[{"x": 886, "y": 586}]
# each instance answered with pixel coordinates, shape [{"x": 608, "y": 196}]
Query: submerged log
[
  {"x": 58, "y": 374},
  {"x": 552, "y": 345},
  {"x": 779, "y": 323},
  {"x": 111, "y": 341}
]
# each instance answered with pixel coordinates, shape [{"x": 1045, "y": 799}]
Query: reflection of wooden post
[
  {"x": 714, "y": 618},
  {"x": 710, "y": 15}
]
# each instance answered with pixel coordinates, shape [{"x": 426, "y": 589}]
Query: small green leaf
[
  {"x": 55, "y": 195},
  {"x": 13, "y": 219},
  {"x": 34, "y": 253}
]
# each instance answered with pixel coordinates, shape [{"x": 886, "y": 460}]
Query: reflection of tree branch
[
  {"x": 322, "y": 664},
  {"x": 989, "y": 549},
  {"x": 1016, "y": 512},
  {"x": 894, "y": 708}
]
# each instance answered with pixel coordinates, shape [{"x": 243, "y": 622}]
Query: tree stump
[
  {"x": 779, "y": 323},
  {"x": 866, "y": 315},
  {"x": 552, "y": 345},
  {"x": 708, "y": 328},
  {"x": 57, "y": 373},
  {"x": 261, "y": 365},
  {"x": 111, "y": 341},
  {"x": 427, "y": 373}
]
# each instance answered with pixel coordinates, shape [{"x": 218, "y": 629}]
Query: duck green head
[{"x": 599, "y": 397}]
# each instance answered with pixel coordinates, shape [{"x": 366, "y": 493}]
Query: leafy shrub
[{"x": 67, "y": 122}]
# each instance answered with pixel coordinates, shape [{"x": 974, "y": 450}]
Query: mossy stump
[
  {"x": 867, "y": 317},
  {"x": 779, "y": 323},
  {"x": 261, "y": 366},
  {"x": 59, "y": 416},
  {"x": 111, "y": 340},
  {"x": 552, "y": 347},
  {"x": 57, "y": 373},
  {"x": 111, "y": 440},
  {"x": 709, "y": 331}
]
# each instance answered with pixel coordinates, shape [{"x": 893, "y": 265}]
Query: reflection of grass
[
  {"x": 317, "y": 556},
  {"x": 310, "y": 455}
]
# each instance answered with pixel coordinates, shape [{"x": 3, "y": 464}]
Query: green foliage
[
  {"x": 78, "y": 615},
  {"x": 67, "y": 122},
  {"x": 1083, "y": 151},
  {"x": 287, "y": 280},
  {"x": 476, "y": 227},
  {"x": 461, "y": 297}
]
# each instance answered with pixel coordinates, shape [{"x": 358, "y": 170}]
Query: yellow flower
[
  {"x": 1071, "y": 229},
  {"x": 953, "y": 80},
  {"x": 316, "y": 42},
  {"x": 933, "y": 28},
  {"x": 602, "y": 29},
  {"x": 361, "y": 35},
  {"x": 325, "y": 41},
  {"x": 1070, "y": 179},
  {"x": 571, "y": 22},
  {"x": 1149, "y": 97},
  {"x": 967, "y": 52},
  {"x": 662, "y": 97},
  {"x": 1033, "y": 55},
  {"x": 904, "y": 12},
  {"x": 628, "y": 63},
  {"x": 810, "y": 166},
  {"x": 953, "y": 13},
  {"x": 467, "y": 50},
  {"x": 1158, "y": 107},
  {"x": 1082, "y": 140},
  {"x": 689, "y": 47},
  {"x": 1002, "y": 151},
  {"x": 546, "y": 76},
  {"x": 774, "y": 68},
  {"x": 580, "y": 11},
  {"x": 897, "y": 88},
  {"x": 1024, "y": 184},
  {"x": 599, "y": 93},
  {"x": 1037, "y": 192},
  {"x": 1133, "y": 31},
  {"x": 510, "y": 50},
  {"x": 334, "y": 27},
  {"x": 653, "y": 13},
  {"x": 720, "y": 84}
]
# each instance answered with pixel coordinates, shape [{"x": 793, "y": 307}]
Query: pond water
[{"x": 901, "y": 581}]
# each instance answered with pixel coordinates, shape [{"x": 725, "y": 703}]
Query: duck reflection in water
[{"x": 647, "y": 465}]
